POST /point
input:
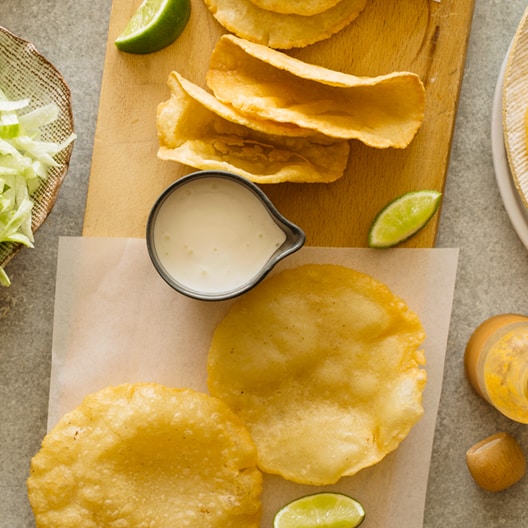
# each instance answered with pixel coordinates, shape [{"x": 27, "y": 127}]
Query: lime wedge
[
  {"x": 403, "y": 217},
  {"x": 328, "y": 510},
  {"x": 154, "y": 25}
]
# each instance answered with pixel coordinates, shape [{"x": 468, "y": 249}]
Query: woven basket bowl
[{"x": 25, "y": 73}]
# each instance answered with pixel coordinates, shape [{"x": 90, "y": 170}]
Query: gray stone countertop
[{"x": 492, "y": 274}]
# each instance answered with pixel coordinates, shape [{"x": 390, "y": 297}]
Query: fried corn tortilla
[
  {"x": 177, "y": 83},
  {"x": 146, "y": 455},
  {"x": 277, "y": 30},
  {"x": 197, "y": 130},
  {"x": 296, "y": 7},
  {"x": 323, "y": 364},
  {"x": 382, "y": 111}
]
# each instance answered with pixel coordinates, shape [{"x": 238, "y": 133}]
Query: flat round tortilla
[
  {"x": 323, "y": 365},
  {"x": 277, "y": 30},
  {"x": 146, "y": 455}
]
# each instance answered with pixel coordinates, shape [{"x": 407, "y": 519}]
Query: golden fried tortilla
[
  {"x": 296, "y": 7},
  {"x": 197, "y": 130},
  {"x": 382, "y": 111},
  {"x": 323, "y": 364},
  {"x": 277, "y": 30},
  {"x": 146, "y": 455}
]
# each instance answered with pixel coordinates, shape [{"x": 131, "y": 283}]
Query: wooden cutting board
[{"x": 428, "y": 37}]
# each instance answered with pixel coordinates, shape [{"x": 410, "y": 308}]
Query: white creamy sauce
[{"x": 214, "y": 235}]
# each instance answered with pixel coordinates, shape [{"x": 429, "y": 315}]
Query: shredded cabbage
[{"x": 24, "y": 162}]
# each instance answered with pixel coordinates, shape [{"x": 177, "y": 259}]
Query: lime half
[
  {"x": 154, "y": 25},
  {"x": 403, "y": 217},
  {"x": 328, "y": 510}
]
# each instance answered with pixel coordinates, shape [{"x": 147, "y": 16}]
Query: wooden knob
[{"x": 497, "y": 462}]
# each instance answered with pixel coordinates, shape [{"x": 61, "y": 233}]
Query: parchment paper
[{"x": 117, "y": 321}]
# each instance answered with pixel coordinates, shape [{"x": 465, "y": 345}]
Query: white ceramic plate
[{"x": 515, "y": 208}]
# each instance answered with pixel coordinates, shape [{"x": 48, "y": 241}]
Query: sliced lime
[
  {"x": 327, "y": 510},
  {"x": 403, "y": 217},
  {"x": 154, "y": 25}
]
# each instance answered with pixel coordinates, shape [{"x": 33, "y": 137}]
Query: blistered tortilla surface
[
  {"x": 323, "y": 364},
  {"x": 296, "y": 7},
  {"x": 143, "y": 455},
  {"x": 382, "y": 111},
  {"x": 197, "y": 130},
  {"x": 284, "y": 31}
]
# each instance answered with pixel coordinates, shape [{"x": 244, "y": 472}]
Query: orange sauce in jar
[{"x": 496, "y": 364}]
